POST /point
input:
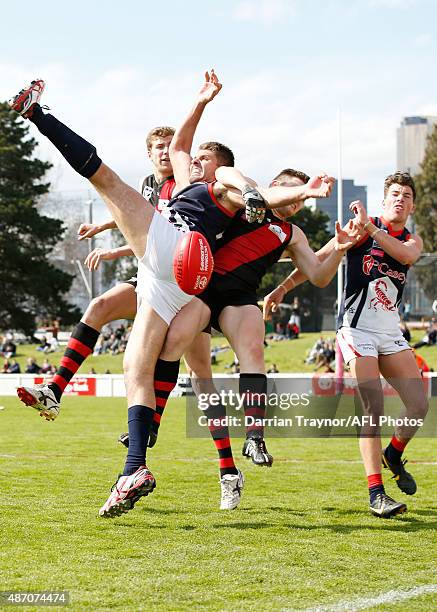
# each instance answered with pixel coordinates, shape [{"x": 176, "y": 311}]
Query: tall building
[
  {"x": 351, "y": 192},
  {"x": 411, "y": 142}
]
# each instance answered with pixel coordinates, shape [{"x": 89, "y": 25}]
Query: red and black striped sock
[
  {"x": 374, "y": 482},
  {"x": 254, "y": 389},
  {"x": 80, "y": 345},
  {"x": 219, "y": 431},
  {"x": 394, "y": 450},
  {"x": 166, "y": 377}
]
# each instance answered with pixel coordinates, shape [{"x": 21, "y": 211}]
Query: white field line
[
  {"x": 189, "y": 460},
  {"x": 369, "y": 602}
]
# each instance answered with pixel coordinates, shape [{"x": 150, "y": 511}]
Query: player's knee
[
  {"x": 176, "y": 342},
  {"x": 99, "y": 310},
  {"x": 420, "y": 408},
  {"x": 105, "y": 177}
]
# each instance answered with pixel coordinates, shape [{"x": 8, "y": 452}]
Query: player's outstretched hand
[
  {"x": 346, "y": 237},
  {"x": 97, "y": 255},
  {"x": 361, "y": 217},
  {"x": 87, "y": 230},
  {"x": 255, "y": 205},
  {"x": 272, "y": 301},
  {"x": 210, "y": 88},
  {"x": 320, "y": 186}
]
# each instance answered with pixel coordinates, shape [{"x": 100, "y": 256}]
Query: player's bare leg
[
  {"x": 120, "y": 302},
  {"x": 130, "y": 210},
  {"x": 142, "y": 351},
  {"x": 132, "y": 213},
  {"x": 370, "y": 394},
  {"x": 244, "y": 328},
  {"x": 402, "y": 372},
  {"x": 198, "y": 361}
]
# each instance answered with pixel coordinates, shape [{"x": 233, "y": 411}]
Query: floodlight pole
[
  {"x": 339, "y": 365},
  {"x": 91, "y": 283}
]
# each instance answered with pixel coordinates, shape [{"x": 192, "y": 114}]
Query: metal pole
[
  {"x": 91, "y": 248},
  {"x": 84, "y": 278},
  {"x": 339, "y": 365}
]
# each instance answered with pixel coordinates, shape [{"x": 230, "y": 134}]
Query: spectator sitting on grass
[
  {"x": 47, "y": 367},
  {"x": 14, "y": 367},
  {"x": 430, "y": 338},
  {"x": 9, "y": 349},
  {"x": 32, "y": 367},
  {"x": 44, "y": 347},
  {"x": 273, "y": 369}
]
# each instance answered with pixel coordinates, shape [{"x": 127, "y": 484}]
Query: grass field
[
  {"x": 288, "y": 355},
  {"x": 301, "y": 538}
]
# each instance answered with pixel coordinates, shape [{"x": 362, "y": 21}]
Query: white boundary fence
[{"x": 112, "y": 385}]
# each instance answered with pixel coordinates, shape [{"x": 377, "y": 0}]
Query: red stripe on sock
[
  {"x": 397, "y": 444},
  {"x": 60, "y": 382},
  {"x": 222, "y": 443},
  {"x": 374, "y": 480},
  {"x": 226, "y": 463},
  {"x": 156, "y": 417},
  {"x": 79, "y": 347},
  {"x": 70, "y": 364},
  {"x": 160, "y": 401},
  {"x": 160, "y": 385}
]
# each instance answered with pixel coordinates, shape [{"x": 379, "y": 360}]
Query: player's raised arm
[
  {"x": 311, "y": 266},
  {"x": 98, "y": 255},
  {"x": 257, "y": 198},
  {"x": 88, "y": 230},
  {"x": 406, "y": 253},
  {"x": 180, "y": 148}
]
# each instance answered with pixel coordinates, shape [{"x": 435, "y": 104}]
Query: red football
[{"x": 193, "y": 263}]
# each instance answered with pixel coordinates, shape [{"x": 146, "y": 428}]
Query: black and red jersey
[
  {"x": 158, "y": 194},
  {"x": 195, "y": 208},
  {"x": 247, "y": 250},
  {"x": 374, "y": 284}
]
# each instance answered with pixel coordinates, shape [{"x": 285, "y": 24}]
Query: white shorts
[
  {"x": 156, "y": 282},
  {"x": 364, "y": 343}
]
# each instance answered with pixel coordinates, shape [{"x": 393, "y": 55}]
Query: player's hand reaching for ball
[{"x": 210, "y": 88}]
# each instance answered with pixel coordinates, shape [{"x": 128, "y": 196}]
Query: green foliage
[
  {"x": 426, "y": 212},
  {"x": 426, "y": 199},
  {"x": 31, "y": 285},
  {"x": 118, "y": 269}
]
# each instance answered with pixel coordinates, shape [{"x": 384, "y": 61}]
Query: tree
[
  {"x": 31, "y": 285},
  {"x": 313, "y": 299},
  {"x": 426, "y": 212}
]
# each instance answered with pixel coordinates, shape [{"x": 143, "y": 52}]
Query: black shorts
[
  {"x": 131, "y": 281},
  {"x": 217, "y": 300}
]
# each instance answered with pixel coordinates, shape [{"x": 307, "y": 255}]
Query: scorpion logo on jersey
[{"x": 381, "y": 298}]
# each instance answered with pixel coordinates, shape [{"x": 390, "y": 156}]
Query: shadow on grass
[{"x": 403, "y": 524}]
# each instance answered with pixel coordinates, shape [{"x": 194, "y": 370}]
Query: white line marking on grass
[{"x": 370, "y": 602}]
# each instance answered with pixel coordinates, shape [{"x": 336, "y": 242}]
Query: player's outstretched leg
[
  {"x": 116, "y": 303},
  {"x": 166, "y": 377},
  {"x": 46, "y": 398},
  {"x": 253, "y": 387},
  {"x": 127, "y": 491},
  {"x": 132, "y": 213}
]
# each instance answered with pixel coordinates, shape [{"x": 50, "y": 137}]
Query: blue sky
[{"x": 115, "y": 70}]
